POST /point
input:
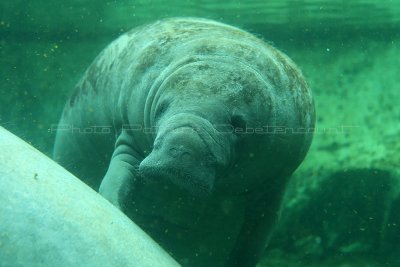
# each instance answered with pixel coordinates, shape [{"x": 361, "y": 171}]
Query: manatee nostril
[
  {"x": 173, "y": 152},
  {"x": 186, "y": 156}
]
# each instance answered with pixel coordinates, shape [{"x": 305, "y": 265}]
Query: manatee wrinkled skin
[{"x": 192, "y": 128}]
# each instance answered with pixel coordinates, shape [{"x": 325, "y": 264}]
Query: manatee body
[{"x": 192, "y": 128}]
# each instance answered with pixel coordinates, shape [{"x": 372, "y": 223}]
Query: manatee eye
[
  {"x": 162, "y": 108},
  {"x": 210, "y": 159},
  {"x": 238, "y": 123}
]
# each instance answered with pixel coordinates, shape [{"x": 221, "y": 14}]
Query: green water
[{"x": 342, "y": 203}]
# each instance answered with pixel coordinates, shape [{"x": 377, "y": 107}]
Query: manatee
[
  {"x": 44, "y": 225},
  {"x": 192, "y": 128}
]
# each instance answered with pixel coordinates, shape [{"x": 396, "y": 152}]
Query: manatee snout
[{"x": 181, "y": 157}]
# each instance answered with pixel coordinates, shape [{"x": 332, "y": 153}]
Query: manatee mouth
[{"x": 189, "y": 182}]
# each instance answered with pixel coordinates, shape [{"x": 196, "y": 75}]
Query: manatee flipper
[
  {"x": 260, "y": 216},
  {"x": 122, "y": 173}
]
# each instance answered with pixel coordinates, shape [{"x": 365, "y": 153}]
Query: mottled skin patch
[{"x": 180, "y": 101}]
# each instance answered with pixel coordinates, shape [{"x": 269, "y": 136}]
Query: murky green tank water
[{"x": 341, "y": 206}]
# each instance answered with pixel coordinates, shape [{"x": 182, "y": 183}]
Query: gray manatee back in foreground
[
  {"x": 50, "y": 218},
  {"x": 192, "y": 128}
]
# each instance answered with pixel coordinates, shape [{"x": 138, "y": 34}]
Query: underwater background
[{"x": 342, "y": 207}]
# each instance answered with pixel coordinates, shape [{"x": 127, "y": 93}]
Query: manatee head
[{"x": 188, "y": 152}]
